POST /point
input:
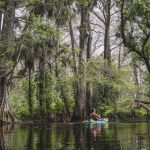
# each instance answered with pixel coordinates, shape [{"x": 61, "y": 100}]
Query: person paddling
[{"x": 93, "y": 115}]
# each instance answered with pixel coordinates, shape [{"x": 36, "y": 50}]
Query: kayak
[{"x": 91, "y": 121}]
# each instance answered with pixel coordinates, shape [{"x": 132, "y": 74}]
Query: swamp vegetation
[{"x": 58, "y": 59}]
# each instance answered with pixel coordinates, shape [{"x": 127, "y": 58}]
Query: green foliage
[
  {"x": 147, "y": 79},
  {"x": 17, "y": 100},
  {"x": 42, "y": 30},
  {"x": 66, "y": 91},
  {"x": 122, "y": 110},
  {"x": 147, "y": 83},
  {"x": 135, "y": 32},
  {"x": 55, "y": 92},
  {"x": 135, "y": 25},
  {"x": 2, "y": 5},
  {"x": 84, "y": 2},
  {"x": 112, "y": 88},
  {"x": 109, "y": 83}
]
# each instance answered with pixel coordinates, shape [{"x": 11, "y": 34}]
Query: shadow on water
[{"x": 75, "y": 137}]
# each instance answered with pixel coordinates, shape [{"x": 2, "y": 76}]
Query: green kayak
[{"x": 91, "y": 121}]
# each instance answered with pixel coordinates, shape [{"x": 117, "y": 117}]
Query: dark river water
[{"x": 111, "y": 136}]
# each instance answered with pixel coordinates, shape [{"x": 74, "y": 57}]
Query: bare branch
[
  {"x": 114, "y": 13},
  {"x": 98, "y": 32},
  {"x": 113, "y": 4},
  {"x": 103, "y": 21},
  {"x": 118, "y": 45},
  {"x": 95, "y": 24}
]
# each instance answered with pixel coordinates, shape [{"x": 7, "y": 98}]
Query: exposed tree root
[{"x": 5, "y": 114}]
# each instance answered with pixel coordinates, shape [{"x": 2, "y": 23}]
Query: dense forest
[{"x": 60, "y": 58}]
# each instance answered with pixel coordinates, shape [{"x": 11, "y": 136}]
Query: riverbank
[{"x": 47, "y": 121}]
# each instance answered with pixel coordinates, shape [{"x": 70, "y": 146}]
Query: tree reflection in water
[
  {"x": 96, "y": 131},
  {"x": 93, "y": 137},
  {"x": 142, "y": 139},
  {"x": 75, "y": 137},
  {"x": 5, "y": 131}
]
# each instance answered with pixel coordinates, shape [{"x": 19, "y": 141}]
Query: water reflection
[
  {"x": 76, "y": 137},
  {"x": 5, "y": 131},
  {"x": 142, "y": 139},
  {"x": 96, "y": 131}
]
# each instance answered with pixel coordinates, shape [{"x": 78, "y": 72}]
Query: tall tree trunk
[
  {"x": 75, "y": 69},
  {"x": 119, "y": 58},
  {"x": 136, "y": 81},
  {"x": 48, "y": 86},
  {"x": 73, "y": 47},
  {"x": 89, "y": 55},
  {"x": 41, "y": 85},
  {"x": 8, "y": 24},
  {"x": 147, "y": 63},
  {"x": 1, "y": 22},
  {"x": 64, "y": 93},
  {"x": 66, "y": 102},
  {"x": 30, "y": 93},
  {"x": 6, "y": 38},
  {"x": 107, "y": 51},
  {"x": 57, "y": 51},
  {"x": 83, "y": 43}
]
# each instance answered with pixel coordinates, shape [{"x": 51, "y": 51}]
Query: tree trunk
[
  {"x": 41, "y": 85},
  {"x": 8, "y": 23},
  {"x": 65, "y": 95},
  {"x": 119, "y": 58},
  {"x": 57, "y": 51},
  {"x": 73, "y": 47},
  {"x": 138, "y": 105},
  {"x": 89, "y": 55},
  {"x": 66, "y": 105},
  {"x": 30, "y": 93},
  {"x": 135, "y": 72},
  {"x": 83, "y": 44},
  {"x": 5, "y": 114},
  {"x": 1, "y": 22},
  {"x": 48, "y": 86},
  {"x": 107, "y": 51},
  {"x": 75, "y": 70},
  {"x": 147, "y": 63},
  {"x": 6, "y": 38}
]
